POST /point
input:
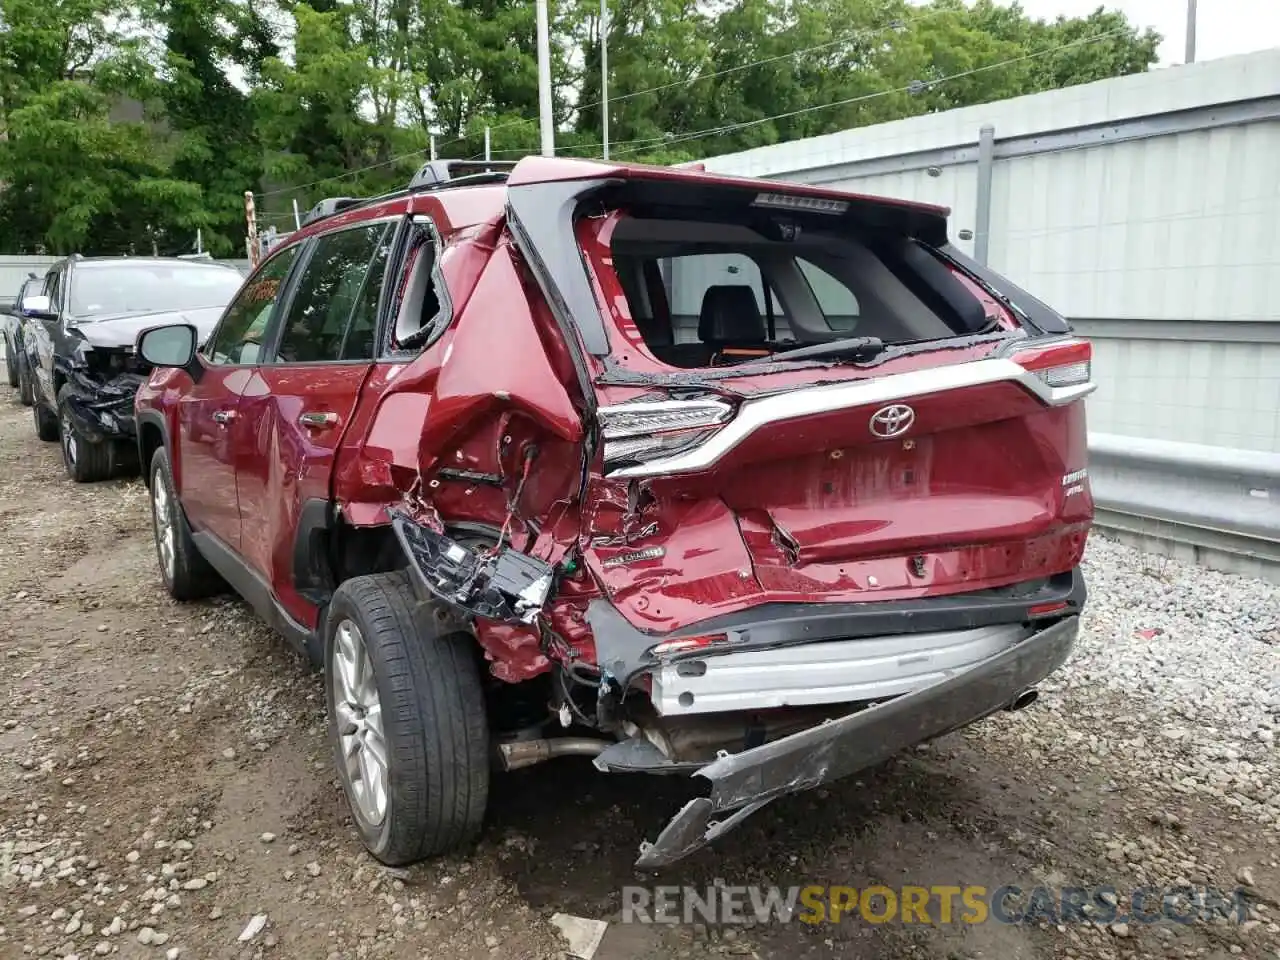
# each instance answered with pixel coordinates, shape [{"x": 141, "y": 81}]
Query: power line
[
  {"x": 668, "y": 139},
  {"x": 847, "y": 38},
  {"x": 345, "y": 174},
  {"x": 894, "y": 25},
  {"x": 914, "y": 87},
  {"x": 523, "y": 151},
  {"x": 387, "y": 163}
]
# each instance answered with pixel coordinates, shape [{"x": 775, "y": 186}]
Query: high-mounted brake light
[
  {"x": 1066, "y": 366},
  {"x": 788, "y": 201},
  {"x": 643, "y": 431}
]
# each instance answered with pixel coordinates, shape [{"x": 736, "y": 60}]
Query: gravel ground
[{"x": 165, "y": 788}]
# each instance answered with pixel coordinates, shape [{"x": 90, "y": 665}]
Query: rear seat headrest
[{"x": 730, "y": 314}]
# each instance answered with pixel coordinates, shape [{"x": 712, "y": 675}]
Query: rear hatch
[{"x": 805, "y": 396}]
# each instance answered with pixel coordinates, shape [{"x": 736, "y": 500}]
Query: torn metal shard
[
  {"x": 522, "y": 576},
  {"x": 584, "y": 936},
  {"x": 501, "y": 584}
]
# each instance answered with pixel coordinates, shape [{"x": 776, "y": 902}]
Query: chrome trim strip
[{"x": 754, "y": 414}]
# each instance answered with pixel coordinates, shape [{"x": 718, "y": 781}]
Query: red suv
[{"x": 754, "y": 481}]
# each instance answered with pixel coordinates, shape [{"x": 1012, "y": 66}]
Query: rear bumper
[
  {"x": 623, "y": 651},
  {"x": 864, "y": 670},
  {"x": 742, "y": 783}
]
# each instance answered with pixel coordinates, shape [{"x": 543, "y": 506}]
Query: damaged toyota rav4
[
  {"x": 78, "y": 334},
  {"x": 749, "y": 481}
]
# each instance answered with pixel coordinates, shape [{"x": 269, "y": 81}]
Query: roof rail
[
  {"x": 328, "y": 207},
  {"x": 433, "y": 175},
  {"x": 436, "y": 173}
]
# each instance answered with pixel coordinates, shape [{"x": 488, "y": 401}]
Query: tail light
[
  {"x": 688, "y": 644},
  {"x": 1065, "y": 367},
  {"x": 1046, "y": 609},
  {"x": 649, "y": 430}
]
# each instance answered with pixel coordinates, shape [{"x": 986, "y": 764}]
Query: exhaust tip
[
  {"x": 1023, "y": 700},
  {"x": 518, "y": 754}
]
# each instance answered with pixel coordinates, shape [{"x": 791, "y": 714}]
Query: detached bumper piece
[
  {"x": 744, "y": 782},
  {"x": 506, "y": 585},
  {"x": 103, "y": 410}
]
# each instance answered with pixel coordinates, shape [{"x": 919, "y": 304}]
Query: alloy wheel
[
  {"x": 70, "y": 447},
  {"x": 357, "y": 712},
  {"x": 163, "y": 520}
]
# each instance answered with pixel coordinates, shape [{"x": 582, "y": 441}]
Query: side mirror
[
  {"x": 168, "y": 346},
  {"x": 37, "y": 305}
]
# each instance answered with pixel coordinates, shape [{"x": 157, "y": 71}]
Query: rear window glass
[{"x": 705, "y": 293}]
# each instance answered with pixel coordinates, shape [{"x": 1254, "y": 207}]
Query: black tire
[
  {"x": 11, "y": 362},
  {"x": 436, "y": 734},
  {"x": 26, "y": 392},
  {"x": 46, "y": 422},
  {"x": 86, "y": 461},
  {"x": 190, "y": 577}
]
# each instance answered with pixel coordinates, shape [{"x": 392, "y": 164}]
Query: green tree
[
  {"x": 81, "y": 171},
  {"x": 775, "y": 71},
  {"x": 131, "y": 124},
  {"x": 216, "y": 142}
]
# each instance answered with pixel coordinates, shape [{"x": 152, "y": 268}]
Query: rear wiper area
[{"x": 853, "y": 348}]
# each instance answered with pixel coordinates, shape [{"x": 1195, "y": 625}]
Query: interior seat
[{"x": 731, "y": 326}]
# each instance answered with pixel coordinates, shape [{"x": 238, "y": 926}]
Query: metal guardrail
[{"x": 1215, "y": 506}]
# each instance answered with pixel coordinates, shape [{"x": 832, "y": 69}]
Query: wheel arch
[{"x": 153, "y": 433}]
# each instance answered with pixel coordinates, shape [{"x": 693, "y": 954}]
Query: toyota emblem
[{"x": 892, "y": 421}]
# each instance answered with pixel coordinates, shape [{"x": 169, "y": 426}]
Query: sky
[{"x": 1223, "y": 27}]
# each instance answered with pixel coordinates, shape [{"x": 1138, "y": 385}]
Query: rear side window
[
  {"x": 420, "y": 306},
  {"x": 53, "y": 290},
  {"x": 839, "y": 304},
  {"x": 238, "y": 338},
  {"x": 361, "y": 341},
  {"x": 338, "y": 290}
]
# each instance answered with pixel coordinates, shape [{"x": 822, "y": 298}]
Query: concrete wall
[
  {"x": 14, "y": 270},
  {"x": 1145, "y": 208}
]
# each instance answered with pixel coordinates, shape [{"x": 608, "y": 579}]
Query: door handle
[
  {"x": 224, "y": 416},
  {"x": 316, "y": 420}
]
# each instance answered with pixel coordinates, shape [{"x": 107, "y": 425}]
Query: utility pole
[
  {"x": 546, "y": 121},
  {"x": 604, "y": 74},
  {"x": 1191, "y": 31},
  {"x": 251, "y": 234},
  {"x": 488, "y": 154},
  {"x": 297, "y": 215},
  {"x": 433, "y": 146}
]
